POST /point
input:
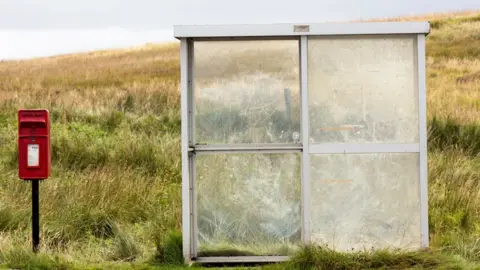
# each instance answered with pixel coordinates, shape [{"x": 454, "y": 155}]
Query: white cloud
[
  {"x": 23, "y": 44},
  {"x": 31, "y": 28}
]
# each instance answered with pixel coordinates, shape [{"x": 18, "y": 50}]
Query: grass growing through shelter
[{"x": 114, "y": 198}]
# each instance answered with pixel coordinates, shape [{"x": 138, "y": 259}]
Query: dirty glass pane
[
  {"x": 248, "y": 204},
  {"x": 362, "y": 201},
  {"x": 363, "y": 90},
  {"x": 246, "y": 91}
]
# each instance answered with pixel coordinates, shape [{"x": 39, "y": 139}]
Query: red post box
[{"x": 34, "y": 149}]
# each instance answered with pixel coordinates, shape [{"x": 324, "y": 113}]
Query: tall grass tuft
[
  {"x": 323, "y": 258},
  {"x": 169, "y": 248},
  {"x": 449, "y": 134},
  {"x": 126, "y": 248},
  {"x": 19, "y": 258}
]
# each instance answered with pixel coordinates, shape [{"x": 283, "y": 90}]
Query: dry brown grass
[
  {"x": 453, "y": 91},
  {"x": 428, "y": 17},
  {"x": 93, "y": 82}
]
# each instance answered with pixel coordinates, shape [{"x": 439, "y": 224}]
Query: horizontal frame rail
[
  {"x": 241, "y": 259},
  {"x": 246, "y": 148},
  {"x": 246, "y": 38},
  {"x": 353, "y": 148}
]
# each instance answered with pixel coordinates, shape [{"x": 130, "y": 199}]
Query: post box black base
[{"x": 35, "y": 216}]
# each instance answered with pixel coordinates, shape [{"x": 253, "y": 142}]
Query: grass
[{"x": 114, "y": 198}]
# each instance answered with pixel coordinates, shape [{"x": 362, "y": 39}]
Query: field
[{"x": 114, "y": 198}]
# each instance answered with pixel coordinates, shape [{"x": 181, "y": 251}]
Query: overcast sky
[{"x": 31, "y": 28}]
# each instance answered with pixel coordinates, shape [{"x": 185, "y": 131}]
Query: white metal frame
[
  {"x": 242, "y": 259},
  {"x": 422, "y": 111},
  {"x": 305, "y": 133},
  {"x": 189, "y": 34},
  {"x": 186, "y": 207},
  {"x": 285, "y": 29}
]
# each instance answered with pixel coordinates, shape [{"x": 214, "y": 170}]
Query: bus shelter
[{"x": 302, "y": 134}]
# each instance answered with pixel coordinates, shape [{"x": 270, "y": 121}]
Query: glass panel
[
  {"x": 248, "y": 204},
  {"x": 363, "y": 89},
  {"x": 246, "y": 91},
  {"x": 365, "y": 200}
]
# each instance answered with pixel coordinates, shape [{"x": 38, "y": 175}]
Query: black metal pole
[{"x": 35, "y": 216}]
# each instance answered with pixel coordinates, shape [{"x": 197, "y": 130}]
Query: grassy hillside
[{"x": 115, "y": 191}]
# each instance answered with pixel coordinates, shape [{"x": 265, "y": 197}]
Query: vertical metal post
[
  {"x": 186, "y": 112},
  {"x": 422, "y": 124},
  {"x": 305, "y": 135},
  {"x": 35, "y": 216},
  {"x": 192, "y": 157}
]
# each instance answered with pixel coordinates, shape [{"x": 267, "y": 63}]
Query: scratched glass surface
[
  {"x": 363, "y": 90},
  {"x": 248, "y": 203},
  {"x": 246, "y": 92},
  {"x": 364, "y": 201}
]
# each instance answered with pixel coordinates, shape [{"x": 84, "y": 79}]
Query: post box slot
[{"x": 35, "y": 122}]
